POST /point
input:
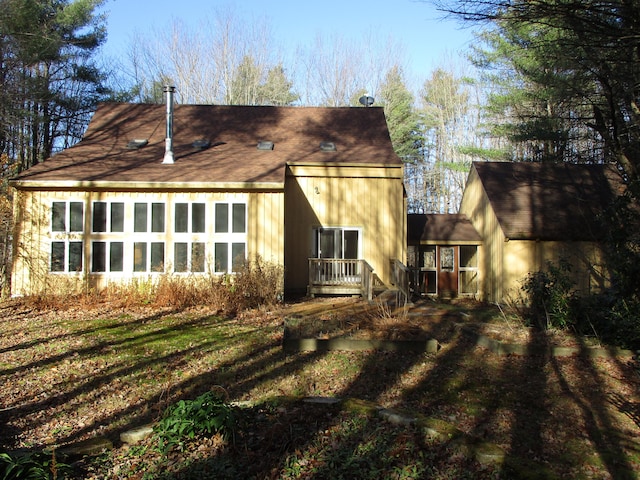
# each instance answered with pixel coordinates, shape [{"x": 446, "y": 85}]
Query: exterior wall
[
  {"x": 476, "y": 206},
  {"x": 33, "y": 234},
  {"x": 525, "y": 256},
  {"x": 505, "y": 263},
  {"x": 368, "y": 198}
]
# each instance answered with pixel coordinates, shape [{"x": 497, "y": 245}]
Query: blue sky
[{"x": 428, "y": 40}]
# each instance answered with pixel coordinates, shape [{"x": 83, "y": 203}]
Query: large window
[
  {"x": 148, "y": 217},
  {"x": 107, "y": 256},
  {"x": 67, "y": 218},
  {"x": 341, "y": 243},
  {"x": 66, "y": 256},
  {"x": 108, "y": 217},
  {"x": 230, "y": 233},
  {"x": 189, "y": 249},
  {"x": 428, "y": 270}
]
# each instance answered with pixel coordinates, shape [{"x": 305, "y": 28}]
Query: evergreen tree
[
  {"x": 51, "y": 85},
  {"x": 277, "y": 89},
  {"x": 584, "y": 60},
  {"x": 402, "y": 119}
]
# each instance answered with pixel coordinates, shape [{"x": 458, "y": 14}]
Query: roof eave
[{"x": 116, "y": 185}]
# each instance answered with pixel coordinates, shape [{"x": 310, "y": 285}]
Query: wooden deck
[{"x": 334, "y": 276}]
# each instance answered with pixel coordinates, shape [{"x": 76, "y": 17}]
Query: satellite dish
[{"x": 366, "y": 100}]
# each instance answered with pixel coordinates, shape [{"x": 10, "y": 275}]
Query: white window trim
[
  {"x": 316, "y": 238},
  {"x": 462, "y": 269},
  {"x": 67, "y": 236},
  {"x": 229, "y": 237},
  {"x": 108, "y": 218},
  {"x": 107, "y": 258}
]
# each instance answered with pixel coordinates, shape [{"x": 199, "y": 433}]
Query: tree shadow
[{"x": 514, "y": 401}]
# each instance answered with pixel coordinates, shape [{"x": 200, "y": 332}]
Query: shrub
[
  {"x": 32, "y": 466},
  {"x": 206, "y": 414},
  {"x": 258, "y": 283},
  {"x": 612, "y": 319},
  {"x": 550, "y": 296}
]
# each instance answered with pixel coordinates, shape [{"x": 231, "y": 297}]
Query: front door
[{"x": 447, "y": 271}]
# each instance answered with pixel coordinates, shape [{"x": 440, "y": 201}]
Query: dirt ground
[{"x": 95, "y": 371}]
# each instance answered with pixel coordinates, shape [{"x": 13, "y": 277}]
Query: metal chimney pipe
[{"x": 168, "y": 145}]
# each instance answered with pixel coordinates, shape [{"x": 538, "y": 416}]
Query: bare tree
[
  {"x": 337, "y": 69},
  {"x": 204, "y": 61}
]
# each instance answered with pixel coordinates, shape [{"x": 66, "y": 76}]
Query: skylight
[
  {"x": 265, "y": 145},
  {"x": 201, "y": 144},
  {"x": 137, "y": 143},
  {"x": 327, "y": 146}
]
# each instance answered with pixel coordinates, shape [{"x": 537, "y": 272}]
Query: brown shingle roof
[
  {"x": 360, "y": 134},
  {"x": 549, "y": 201},
  {"x": 443, "y": 227}
]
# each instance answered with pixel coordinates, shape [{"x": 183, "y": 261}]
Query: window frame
[
  {"x": 465, "y": 270},
  {"x": 108, "y": 216},
  {"x": 107, "y": 256},
  {"x": 66, "y": 244},
  {"x": 230, "y": 237}
]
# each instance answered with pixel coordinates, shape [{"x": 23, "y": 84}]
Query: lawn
[{"x": 96, "y": 371}]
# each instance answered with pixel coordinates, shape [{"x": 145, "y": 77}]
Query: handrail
[
  {"x": 341, "y": 273},
  {"x": 401, "y": 277}
]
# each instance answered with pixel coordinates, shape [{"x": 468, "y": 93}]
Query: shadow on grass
[{"x": 521, "y": 403}]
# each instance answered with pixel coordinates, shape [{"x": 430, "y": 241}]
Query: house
[
  {"x": 513, "y": 219},
  {"x": 197, "y": 189},
  {"x": 443, "y": 254},
  {"x": 529, "y": 214}
]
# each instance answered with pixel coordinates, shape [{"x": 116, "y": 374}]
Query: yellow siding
[
  {"x": 525, "y": 256},
  {"x": 505, "y": 263},
  {"x": 475, "y": 205},
  {"x": 33, "y": 236},
  {"x": 374, "y": 204}
]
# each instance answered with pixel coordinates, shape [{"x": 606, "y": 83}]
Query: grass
[{"x": 82, "y": 372}]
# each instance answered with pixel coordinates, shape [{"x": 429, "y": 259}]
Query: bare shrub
[{"x": 256, "y": 284}]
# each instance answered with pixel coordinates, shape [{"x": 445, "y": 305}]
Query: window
[
  {"x": 107, "y": 256},
  {"x": 189, "y": 250},
  {"x": 468, "y": 269},
  {"x": 447, "y": 259},
  {"x": 230, "y": 234},
  {"x": 148, "y": 221},
  {"x": 189, "y": 217},
  {"x": 189, "y": 257},
  {"x": 67, "y": 217},
  {"x": 109, "y": 215},
  {"x": 148, "y": 256},
  {"x": 338, "y": 243},
  {"x": 66, "y": 256},
  {"x": 428, "y": 270}
]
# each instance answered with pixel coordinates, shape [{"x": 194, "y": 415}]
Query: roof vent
[
  {"x": 137, "y": 143},
  {"x": 201, "y": 144},
  {"x": 265, "y": 145},
  {"x": 327, "y": 146}
]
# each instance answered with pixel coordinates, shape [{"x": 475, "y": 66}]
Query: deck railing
[
  {"x": 340, "y": 277},
  {"x": 401, "y": 278}
]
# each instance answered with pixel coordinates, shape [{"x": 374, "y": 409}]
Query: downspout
[{"x": 168, "y": 149}]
